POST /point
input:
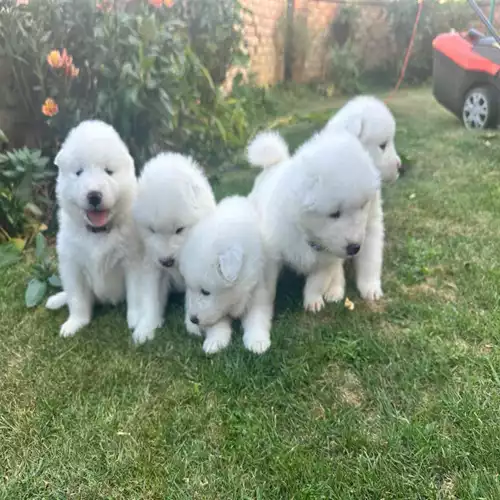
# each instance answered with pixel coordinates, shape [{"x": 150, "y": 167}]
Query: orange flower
[
  {"x": 156, "y": 3},
  {"x": 168, "y": 3},
  {"x": 55, "y": 59},
  {"x": 72, "y": 71},
  {"x": 50, "y": 107}
]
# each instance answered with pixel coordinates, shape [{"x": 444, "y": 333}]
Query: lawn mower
[{"x": 466, "y": 74}]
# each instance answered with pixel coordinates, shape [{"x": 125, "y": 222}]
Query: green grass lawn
[{"x": 398, "y": 400}]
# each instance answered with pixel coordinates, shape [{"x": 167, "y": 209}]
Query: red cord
[{"x": 408, "y": 51}]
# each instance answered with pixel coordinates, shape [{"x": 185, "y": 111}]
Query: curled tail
[
  {"x": 57, "y": 301},
  {"x": 267, "y": 149}
]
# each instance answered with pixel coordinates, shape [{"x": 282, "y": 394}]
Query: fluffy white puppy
[
  {"x": 371, "y": 121},
  {"x": 315, "y": 211},
  {"x": 366, "y": 117},
  {"x": 228, "y": 276},
  {"x": 173, "y": 195},
  {"x": 96, "y": 185}
]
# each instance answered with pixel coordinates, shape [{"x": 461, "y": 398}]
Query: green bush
[
  {"x": 343, "y": 69},
  {"x": 25, "y": 177},
  {"x": 343, "y": 66},
  {"x": 129, "y": 63},
  {"x": 216, "y": 34},
  {"x": 347, "y": 66}
]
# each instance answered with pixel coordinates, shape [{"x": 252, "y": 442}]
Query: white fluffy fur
[
  {"x": 267, "y": 149},
  {"x": 93, "y": 266},
  {"x": 173, "y": 195},
  {"x": 366, "y": 117},
  {"x": 228, "y": 276},
  {"x": 371, "y": 121},
  {"x": 313, "y": 206}
]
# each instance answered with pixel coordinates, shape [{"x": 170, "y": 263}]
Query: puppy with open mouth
[{"x": 96, "y": 186}]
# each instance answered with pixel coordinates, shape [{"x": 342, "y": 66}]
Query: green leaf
[
  {"x": 55, "y": 281},
  {"x": 3, "y": 137},
  {"x": 8, "y": 255},
  {"x": 35, "y": 292},
  {"x": 40, "y": 246}
]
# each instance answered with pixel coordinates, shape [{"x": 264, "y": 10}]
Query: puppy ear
[
  {"x": 310, "y": 196},
  {"x": 229, "y": 263},
  {"x": 59, "y": 159},
  {"x": 194, "y": 192},
  {"x": 355, "y": 126}
]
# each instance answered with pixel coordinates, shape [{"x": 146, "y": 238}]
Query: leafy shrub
[
  {"x": 351, "y": 63},
  {"x": 128, "y": 63},
  {"x": 24, "y": 179},
  {"x": 343, "y": 69},
  {"x": 343, "y": 66},
  {"x": 216, "y": 34},
  {"x": 43, "y": 274}
]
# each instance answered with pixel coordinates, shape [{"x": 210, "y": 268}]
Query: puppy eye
[
  {"x": 205, "y": 292},
  {"x": 79, "y": 172},
  {"x": 108, "y": 171},
  {"x": 383, "y": 146},
  {"x": 179, "y": 230},
  {"x": 152, "y": 229},
  {"x": 335, "y": 215}
]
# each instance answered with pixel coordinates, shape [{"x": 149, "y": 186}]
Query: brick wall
[
  {"x": 264, "y": 32},
  {"x": 265, "y": 36},
  {"x": 262, "y": 35}
]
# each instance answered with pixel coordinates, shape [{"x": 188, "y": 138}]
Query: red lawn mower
[{"x": 466, "y": 74}]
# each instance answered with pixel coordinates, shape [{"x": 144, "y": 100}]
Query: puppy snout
[
  {"x": 195, "y": 320},
  {"x": 352, "y": 249},
  {"x": 168, "y": 262},
  {"x": 94, "y": 198},
  {"x": 399, "y": 165}
]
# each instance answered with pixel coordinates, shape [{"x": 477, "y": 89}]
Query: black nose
[
  {"x": 94, "y": 198},
  {"x": 194, "y": 320},
  {"x": 167, "y": 262},
  {"x": 352, "y": 248}
]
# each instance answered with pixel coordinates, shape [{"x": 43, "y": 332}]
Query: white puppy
[
  {"x": 228, "y": 276},
  {"x": 371, "y": 121},
  {"x": 315, "y": 208},
  {"x": 173, "y": 195},
  {"x": 96, "y": 185},
  {"x": 367, "y": 117}
]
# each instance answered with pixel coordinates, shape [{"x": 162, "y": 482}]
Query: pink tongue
[{"x": 98, "y": 218}]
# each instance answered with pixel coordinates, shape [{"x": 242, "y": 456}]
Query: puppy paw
[
  {"x": 142, "y": 335},
  {"x": 145, "y": 330},
  {"x": 257, "y": 342},
  {"x": 192, "y": 329},
  {"x": 71, "y": 326},
  {"x": 216, "y": 342},
  {"x": 335, "y": 293},
  {"x": 56, "y": 301},
  {"x": 314, "y": 304},
  {"x": 132, "y": 318},
  {"x": 370, "y": 291}
]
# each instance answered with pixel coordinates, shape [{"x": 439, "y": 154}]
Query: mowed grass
[{"x": 398, "y": 400}]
